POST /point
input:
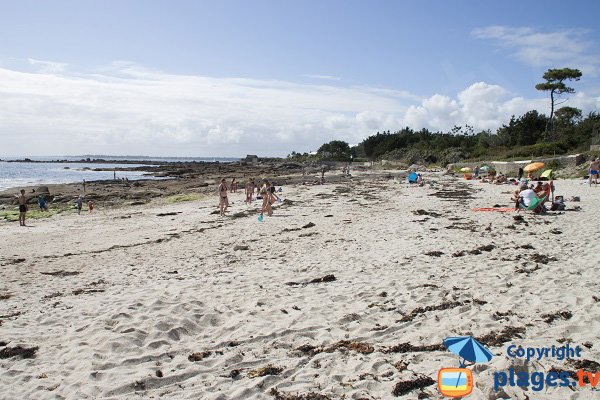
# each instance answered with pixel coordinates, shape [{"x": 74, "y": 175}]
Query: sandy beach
[{"x": 345, "y": 293}]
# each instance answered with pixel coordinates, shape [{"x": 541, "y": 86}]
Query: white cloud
[
  {"x": 324, "y": 77},
  {"x": 564, "y": 48},
  {"x": 47, "y": 66},
  {"x": 126, "y": 109}
]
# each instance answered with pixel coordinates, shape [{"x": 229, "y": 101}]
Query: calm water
[{"x": 17, "y": 174}]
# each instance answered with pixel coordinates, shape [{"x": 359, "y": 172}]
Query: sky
[{"x": 229, "y": 78}]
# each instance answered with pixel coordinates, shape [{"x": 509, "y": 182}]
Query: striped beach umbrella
[{"x": 468, "y": 348}]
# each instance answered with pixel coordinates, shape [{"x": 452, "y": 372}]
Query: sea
[{"x": 22, "y": 174}]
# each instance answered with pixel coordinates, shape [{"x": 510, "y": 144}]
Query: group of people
[
  {"x": 266, "y": 193},
  {"x": 525, "y": 196},
  {"x": 22, "y": 200}
]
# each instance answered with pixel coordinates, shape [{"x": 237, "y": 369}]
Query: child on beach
[
  {"x": 22, "y": 199},
  {"x": 223, "y": 201},
  {"x": 42, "y": 203},
  {"x": 593, "y": 171}
]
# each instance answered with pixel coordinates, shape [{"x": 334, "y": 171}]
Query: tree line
[{"x": 531, "y": 134}]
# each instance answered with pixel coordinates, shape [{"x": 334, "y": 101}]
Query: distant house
[{"x": 251, "y": 158}]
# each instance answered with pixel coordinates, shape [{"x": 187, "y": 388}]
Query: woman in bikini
[
  {"x": 249, "y": 190},
  {"x": 223, "y": 201},
  {"x": 265, "y": 192}
]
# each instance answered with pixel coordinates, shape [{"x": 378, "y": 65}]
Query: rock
[{"x": 241, "y": 247}]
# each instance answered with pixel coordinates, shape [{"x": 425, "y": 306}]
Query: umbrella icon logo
[{"x": 458, "y": 382}]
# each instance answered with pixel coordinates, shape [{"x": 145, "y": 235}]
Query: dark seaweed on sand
[
  {"x": 542, "y": 258},
  {"x": 199, "y": 356},
  {"x": 326, "y": 278},
  {"x": 494, "y": 339},
  {"x": 24, "y": 352},
  {"x": 404, "y": 387},
  {"x": 549, "y": 318},
  {"x": 359, "y": 347},
  {"x": 300, "y": 396},
  {"x": 409, "y": 348},
  {"x": 264, "y": 371},
  {"x": 425, "y": 212},
  {"x": 421, "y": 310},
  {"x": 61, "y": 273}
]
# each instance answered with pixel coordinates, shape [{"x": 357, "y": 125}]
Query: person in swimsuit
[
  {"x": 223, "y": 201},
  {"x": 22, "y": 207},
  {"x": 594, "y": 167},
  {"x": 250, "y": 190},
  {"x": 90, "y": 206},
  {"x": 266, "y": 194},
  {"x": 234, "y": 186}
]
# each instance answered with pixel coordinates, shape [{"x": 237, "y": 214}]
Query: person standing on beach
[
  {"x": 223, "y": 201},
  {"x": 90, "y": 206},
  {"x": 79, "y": 204},
  {"x": 593, "y": 171},
  {"x": 249, "y": 190},
  {"x": 22, "y": 207},
  {"x": 233, "y": 187},
  {"x": 521, "y": 172},
  {"x": 265, "y": 192},
  {"x": 42, "y": 203}
]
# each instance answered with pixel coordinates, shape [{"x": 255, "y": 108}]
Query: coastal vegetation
[{"x": 532, "y": 134}]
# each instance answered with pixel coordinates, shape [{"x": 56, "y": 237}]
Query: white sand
[{"x": 174, "y": 285}]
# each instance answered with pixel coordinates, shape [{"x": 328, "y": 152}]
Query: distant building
[{"x": 251, "y": 158}]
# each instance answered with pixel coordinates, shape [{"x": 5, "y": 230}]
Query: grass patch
[
  {"x": 178, "y": 198},
  {"x": 13, "y": 215}
]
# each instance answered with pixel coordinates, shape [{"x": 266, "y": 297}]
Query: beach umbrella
[
  {"x": 466, "y": 169},
  {"x": 468, "y": 348},
  {"x": 546, "y": 174},
  {"x": 533, "y": 167}
]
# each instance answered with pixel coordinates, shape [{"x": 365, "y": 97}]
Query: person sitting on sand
[
  {"x": 22, "y": 199},
  {"x": 518, "y": 190},
  {"x": 527, "y": 196},
  {"x": 593, "y": 171},
  {"x": 90, "y": 206},
  {"x": 223, "y": 201},
  {"x": 538, "y": 188},
  {"x": 500, "y": 179}
]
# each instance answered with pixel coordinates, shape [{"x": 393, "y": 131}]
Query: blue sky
[{"x": 227, "y": 78}]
